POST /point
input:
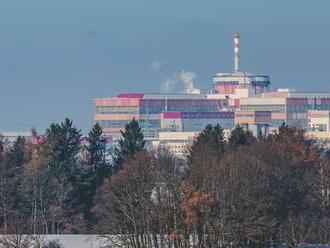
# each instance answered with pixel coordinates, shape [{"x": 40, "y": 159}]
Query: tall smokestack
[{"x": 236, "y": 52}]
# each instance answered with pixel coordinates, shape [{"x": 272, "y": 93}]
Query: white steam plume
[
  {"x": 186, "y": 78},
  {"x": 169, "y": 84}
]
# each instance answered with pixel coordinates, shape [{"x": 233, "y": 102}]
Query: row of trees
[
  {"x": 49, "y": 184},
  {"x": 242, "y": 192}
]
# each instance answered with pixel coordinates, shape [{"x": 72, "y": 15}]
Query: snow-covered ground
[{"x": 76, "y": 241}]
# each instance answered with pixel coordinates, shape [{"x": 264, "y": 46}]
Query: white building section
[
  {"x": 175, "y": 142},
  {"x": 318, "y": 121}
]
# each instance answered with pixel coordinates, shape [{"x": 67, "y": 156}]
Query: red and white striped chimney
[{"x": 236, "y": 52}]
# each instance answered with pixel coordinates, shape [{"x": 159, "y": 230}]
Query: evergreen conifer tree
[
  {"x": 16, "y": 160},
  {"x": 240, "y": 136},
  {"x": 96, "y": 152},
  {"x": 131, "y": 142},
  {"x": 94, "y": 171},
  {"x": 12, "y": 163},
  {"x": 212, "y": 137},
  {"x": 61, "y": 148}
]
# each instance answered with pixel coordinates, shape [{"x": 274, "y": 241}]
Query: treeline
[
  {"x": 244, "y": 192},
  {"x": 49, "y": 184}
]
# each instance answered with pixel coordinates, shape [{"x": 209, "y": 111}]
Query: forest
[{"x": 246, "y": 191}]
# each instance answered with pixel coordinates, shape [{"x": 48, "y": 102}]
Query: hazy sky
[{"x": 57, "y": 55}]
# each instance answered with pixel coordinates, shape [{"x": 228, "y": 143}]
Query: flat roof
[
  {"x": 239, "y": 74},
  {"x": 157, "y": 96}
]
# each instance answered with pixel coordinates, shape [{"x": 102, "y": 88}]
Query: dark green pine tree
[
  {"x": 12, "y": 162},
  {"x": 16, "y": 160},
  {"x": 240, "y": 136},
  {"x": 61, "y": 148},
  {"x": 16, "y": 154},
  {"x": 95, "y": 170},
  {"x": 96, "y": 153},
  {"x": 212, "y": 137},
  {"x": 131, "y": 142},
  {"x": 62, "y": 145}
]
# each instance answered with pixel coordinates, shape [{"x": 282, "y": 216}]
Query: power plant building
[
  {"x": 286, "y": 106},
  {"x": 237, "y": 98},
  {"x": 177, "y": 112},
  {"x": 227, "y": 83}
]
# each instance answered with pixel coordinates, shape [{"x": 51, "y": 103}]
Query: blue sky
[{"x": 57, "y": 55}]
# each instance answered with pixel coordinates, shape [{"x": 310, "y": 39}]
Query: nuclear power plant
[
  {"x": 227, "y": 83},
  {"x": 172, "y": 119}
]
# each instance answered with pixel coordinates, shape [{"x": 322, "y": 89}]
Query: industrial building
[
  {"x": 178, "y": 142},
  {"x": 175, "y": 142},
  {"x": 227, "y": 83},
  {"x": 319, "y": 126},
  {"x": 195, "y": 121},
  {"x": 318, "y": 121},
  {"x": 236, "y": 98},
  {"x": 256, "y": 121},
  {"x": 9, "y": 138},
  {"x": 181, "y": 112},
  {"x": 178, "y": 112},
  {"x": 287, "y": 106}
]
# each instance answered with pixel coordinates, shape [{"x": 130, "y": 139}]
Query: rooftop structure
[
  {"x": 227, "y": 83},
  {"x": 236, "y": 52}
]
